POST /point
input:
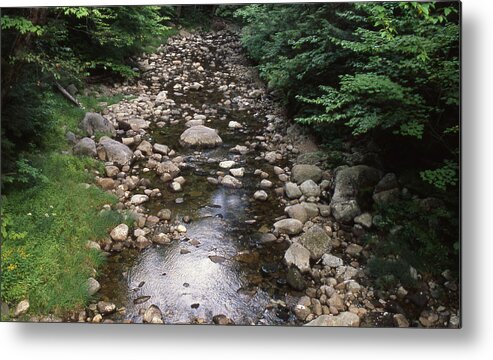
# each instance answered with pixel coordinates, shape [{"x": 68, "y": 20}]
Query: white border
[{"x": 474, "y": 341}]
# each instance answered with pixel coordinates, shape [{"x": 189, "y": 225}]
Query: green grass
[
  {"x": 49, "y": 263},
  {"x": 45, "y": 227}
]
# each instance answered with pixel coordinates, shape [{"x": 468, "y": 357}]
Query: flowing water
[{"x": 220, "y": 266}]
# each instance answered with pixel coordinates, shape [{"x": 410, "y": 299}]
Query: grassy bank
[{"x": 47, "y": 222}]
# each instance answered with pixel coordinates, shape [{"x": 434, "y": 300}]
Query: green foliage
[
  {"x": 20, "y": 24},
  {"x": 44, "y": 231},
  {"x": 80, "y": 40},
  {"x": 420, "y": 233},
  {"x": 369, "y": 72},
  {"x": 406, "y": 72},
  {"x": 292, "y": 44},
  {"x": 368, "y": 101},
  {"x": 443, "y": 177}
]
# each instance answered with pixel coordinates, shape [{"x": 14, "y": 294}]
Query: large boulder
[
  {"x": 345, "y": 318},
  {"x": 316, "y": 241},
  {"x": 310, "y": 188},
  {"x": 200, "y": 136},
  {"x": 95, "y": 123},
  {"x": 388, "y": 182},
  {"x": 298, "y": 256},
  {"x": 292, "y": 190},
  {"x": 302, "y": 172},
  {"x": 297, "y": 212},
  {"x": 288, "y": 226},
  {"x": 85, "y": 146},
  {"x": 386, "y": 196},
  {"x": 350, "y": 181},
  {"x": 114, "y": 151},
  {"x": 345, "y": 211}
]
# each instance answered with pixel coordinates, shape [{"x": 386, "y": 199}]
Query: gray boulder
[
  {"x": 168, "y": 167},
  {"x": 364, "y": 220},
  {"x": 316, "y": 241},
  {"x": 95, "y": 123},
  {"x": 153, "y": 315},
  {"x": 260, "y": 195},
  {"x": 388, "y": 182},
  {"x": 137, "y": 124},
  {"x": 114, "y": 151},
  {"x": 231, "y": 182},
  {"x": 387, "y": 196},
  {"x": 200, "y": 136},
  {"x": 350, "y": 180},
  {"x": 194, "y": 122},
  {"x": 345, "y": 211},
  {"x": 105, "y": 307},
  {"x": 161, "y": 149},
  {"x": 93, "y": 286},
  {"x": 345, "y": 318},
  {"x": 295, "y": 279},
  {"x": 288, "y": 226},
  {"x": 85, "y": 146},
  {"x": 298, "y": 256},
  {"x": 310, "y": 188},
  {"x": 311, "y": 209},
  {"x": 120, "y": 232},
  {"x": 331, "y": 260},
  {"x": 292, "y": 190},
  {"x": 297, "y": 212},
  {"x": 302, "y": 172}
]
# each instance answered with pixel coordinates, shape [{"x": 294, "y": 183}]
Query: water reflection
[{"x": 190, "y": 285}]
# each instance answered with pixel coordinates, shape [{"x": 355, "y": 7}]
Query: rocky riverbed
[{"x": 233, "y": 215}]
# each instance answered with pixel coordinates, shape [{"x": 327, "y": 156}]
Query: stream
[{"x": 221, "y": 265}]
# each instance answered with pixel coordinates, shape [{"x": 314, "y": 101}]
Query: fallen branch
[{"x": 67, "y": 94}]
